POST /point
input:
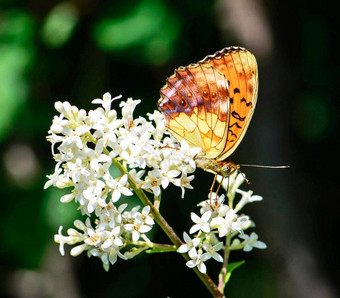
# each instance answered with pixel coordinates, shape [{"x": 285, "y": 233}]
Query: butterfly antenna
[
  {"x": 260, "y": 166},
  {"x": 267, "y": 167}
]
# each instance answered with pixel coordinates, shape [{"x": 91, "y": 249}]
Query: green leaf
[{"x": 230, "y": 268}]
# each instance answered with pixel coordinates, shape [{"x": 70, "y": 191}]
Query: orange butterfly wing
[
  {"x": 210, "y": 104},
  {"x": 194, "y": 103},
  {"x": 240, "y": 68}
]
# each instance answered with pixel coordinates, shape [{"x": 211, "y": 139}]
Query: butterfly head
[
  {"x": 224, "y": 167},
  {"x": 228, "y": 167}
]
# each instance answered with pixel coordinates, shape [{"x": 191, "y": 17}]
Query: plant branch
[{"x": 223, "y": 272}]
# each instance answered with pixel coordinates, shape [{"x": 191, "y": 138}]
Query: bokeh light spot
[{"x": 59, "y": 24}]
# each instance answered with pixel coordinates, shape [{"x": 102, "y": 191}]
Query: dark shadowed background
[{"x": 78, "y": 50}]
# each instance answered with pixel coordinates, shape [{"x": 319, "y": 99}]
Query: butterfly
[{"x": 210, "y": 104}]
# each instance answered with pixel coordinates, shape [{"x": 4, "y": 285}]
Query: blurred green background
[{"x": 78, "y": 50}]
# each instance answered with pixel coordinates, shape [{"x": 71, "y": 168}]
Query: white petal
[
  {"x": 123, "y": 180},
  {"x": 77, "y": 250},
  {"x": 126, "y": 191},
  {"x": 196, "y": 241},
  {"x": 186, "y": 237},
  {"x": 145, "y": 229},
  {"x": 67, "y": 198},
  {"x": 146, "y": 210},
  {"x": 256, "y": 198},
  {"x": 193, "y": 253},
  {"x": 115, "y": 196},
  {"x": 194, "y": 229},
  {"x": 156, "y": 190},
  {"x": 205, "y": 228},
  {"x": 201, "y": 267},
  {"x": 113, "y": 258},
  {"x": 97, "y": 101},
  {"x": 248, "y": 247},
  {"x": 206, "y": 216},
  {"x": 217, "y": 257},
  {"x": 190, "y": 264},
  {"x": 218, "y": 246},
  {"x": 260, "y": 245},
  {"x": 135, "y": 236},
  {"x": 149, "y": 221},
  {"x": 118, "y": 241},
  {"x": 195, "y": 218},
  {"x": 183, "y": 248}
]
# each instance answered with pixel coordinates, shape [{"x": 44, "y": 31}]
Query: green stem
[
  {"x": 223, "y": 272},
  {"x": 166, "y": 247}
]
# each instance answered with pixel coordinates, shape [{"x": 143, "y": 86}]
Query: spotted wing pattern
[
  {"x": 240, "y": 68},
  {"x": 210, "y": 103}
]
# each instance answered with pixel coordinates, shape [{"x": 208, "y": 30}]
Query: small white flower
[
  {"x": 229, "y": 223},
  {"x": 93, "y": 194},
  {"x": 189, "y": 243},
  {"x": 197, "y": 259},
  {"x": 231, "y": 183},
  {"x": 211, "y": 251},
  {"x": 72, "y": 238},
  {"x": 113, "y": 238},
  {"x": 93, "y": 239},
  {"x": 106, "y": 101},
  {"x": 146, "y": 217},
  {"x": 137, "y": 228},
  {"x": 214, "y": 204},
  {"x": 128, "y": 108},
  {"x": 184, "y": 182},
  {"x": 201, "y": 223},
  {"x": 168, "y": 175},
  {"x": 119, "y": 187},
  {"x": 61, "y": 239},
  {"x": 153, "y": 182},
  {"x": 54, "y": 178},
  {"x": 252, "y": 241},
  {"x": 247, "y": 197}
]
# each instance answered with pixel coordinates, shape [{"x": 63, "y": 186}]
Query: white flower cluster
[
  {"x": 90, "y": 148},
  {"x": 114, "y": 230},
  {"x": 219, "y": 220}
]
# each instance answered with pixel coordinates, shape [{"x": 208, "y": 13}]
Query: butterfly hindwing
[{"x": 195, "y": 105}]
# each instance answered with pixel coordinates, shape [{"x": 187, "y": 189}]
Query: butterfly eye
[{"x": 226, "y": 168}]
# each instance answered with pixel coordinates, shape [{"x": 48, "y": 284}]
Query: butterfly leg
[
  {"x": 211, "y": 189},
  {"x": 219, "y": 186}
]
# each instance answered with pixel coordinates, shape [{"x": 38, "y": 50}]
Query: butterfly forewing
[
  {"x": 210, "y": 104},
  {"x": 240, "y": 68}
]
